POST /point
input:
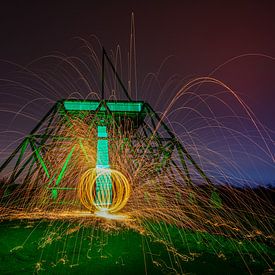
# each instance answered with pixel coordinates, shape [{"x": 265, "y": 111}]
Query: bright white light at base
[{"x": 104, "y": 213}]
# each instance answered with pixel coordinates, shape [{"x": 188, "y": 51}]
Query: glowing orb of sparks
[{"x": 117, "y": 198}]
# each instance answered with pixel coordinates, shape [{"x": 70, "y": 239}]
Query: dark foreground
[{"x": 63, "y": 248}]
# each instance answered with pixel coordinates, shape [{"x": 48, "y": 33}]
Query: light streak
[
  {"x": 146, "y": 192},
  {"x": 120, "y": 190}
]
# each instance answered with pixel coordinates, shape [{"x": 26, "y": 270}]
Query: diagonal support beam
[
  {"x": 61, "y": 174},
  {"x": 104, "y": 55},
  {"x": 39, "y": 158},
  {"x": 63, "y": 170}
]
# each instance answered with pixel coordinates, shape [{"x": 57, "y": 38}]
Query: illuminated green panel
[
  {"x": 81, "y": 105},
  {"x": 102, "y": 154},
  {"x": 101, "y": 131},
  {"x": 103, "y": 182},
  {"x": 104, "y": 190},
  {"x": 93, "y": 105},
  {"x": 125, "y": 106}
]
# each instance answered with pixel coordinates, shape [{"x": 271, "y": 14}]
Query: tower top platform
[
  {"x": 121, "y": 110},
  {"x": 113, "y": 106}
]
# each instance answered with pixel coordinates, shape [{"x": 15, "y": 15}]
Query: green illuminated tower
[
  {"x": 103, "y": 182},
  {"x": 49, "y": 155}
]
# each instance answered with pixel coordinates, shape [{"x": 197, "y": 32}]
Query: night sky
[{"x": 192, "y": 38}]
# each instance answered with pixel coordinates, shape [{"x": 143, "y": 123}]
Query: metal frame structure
[{"x": 155, "y": 139}]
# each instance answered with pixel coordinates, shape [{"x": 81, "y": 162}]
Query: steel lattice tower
[{"x": 49, "y": 155}]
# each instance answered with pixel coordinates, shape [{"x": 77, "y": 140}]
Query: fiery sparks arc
[
  {"x": 118, "y": 197},
  {"x": 148, "y": 180}
]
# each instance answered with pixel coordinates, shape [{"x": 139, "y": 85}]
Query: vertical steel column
[{"x": 103, "y": 181}]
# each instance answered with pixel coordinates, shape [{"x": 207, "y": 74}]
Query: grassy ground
[{"x": 62, "y": 248}]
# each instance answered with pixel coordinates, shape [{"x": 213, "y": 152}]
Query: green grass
[{"x": 60, "y": 248}]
